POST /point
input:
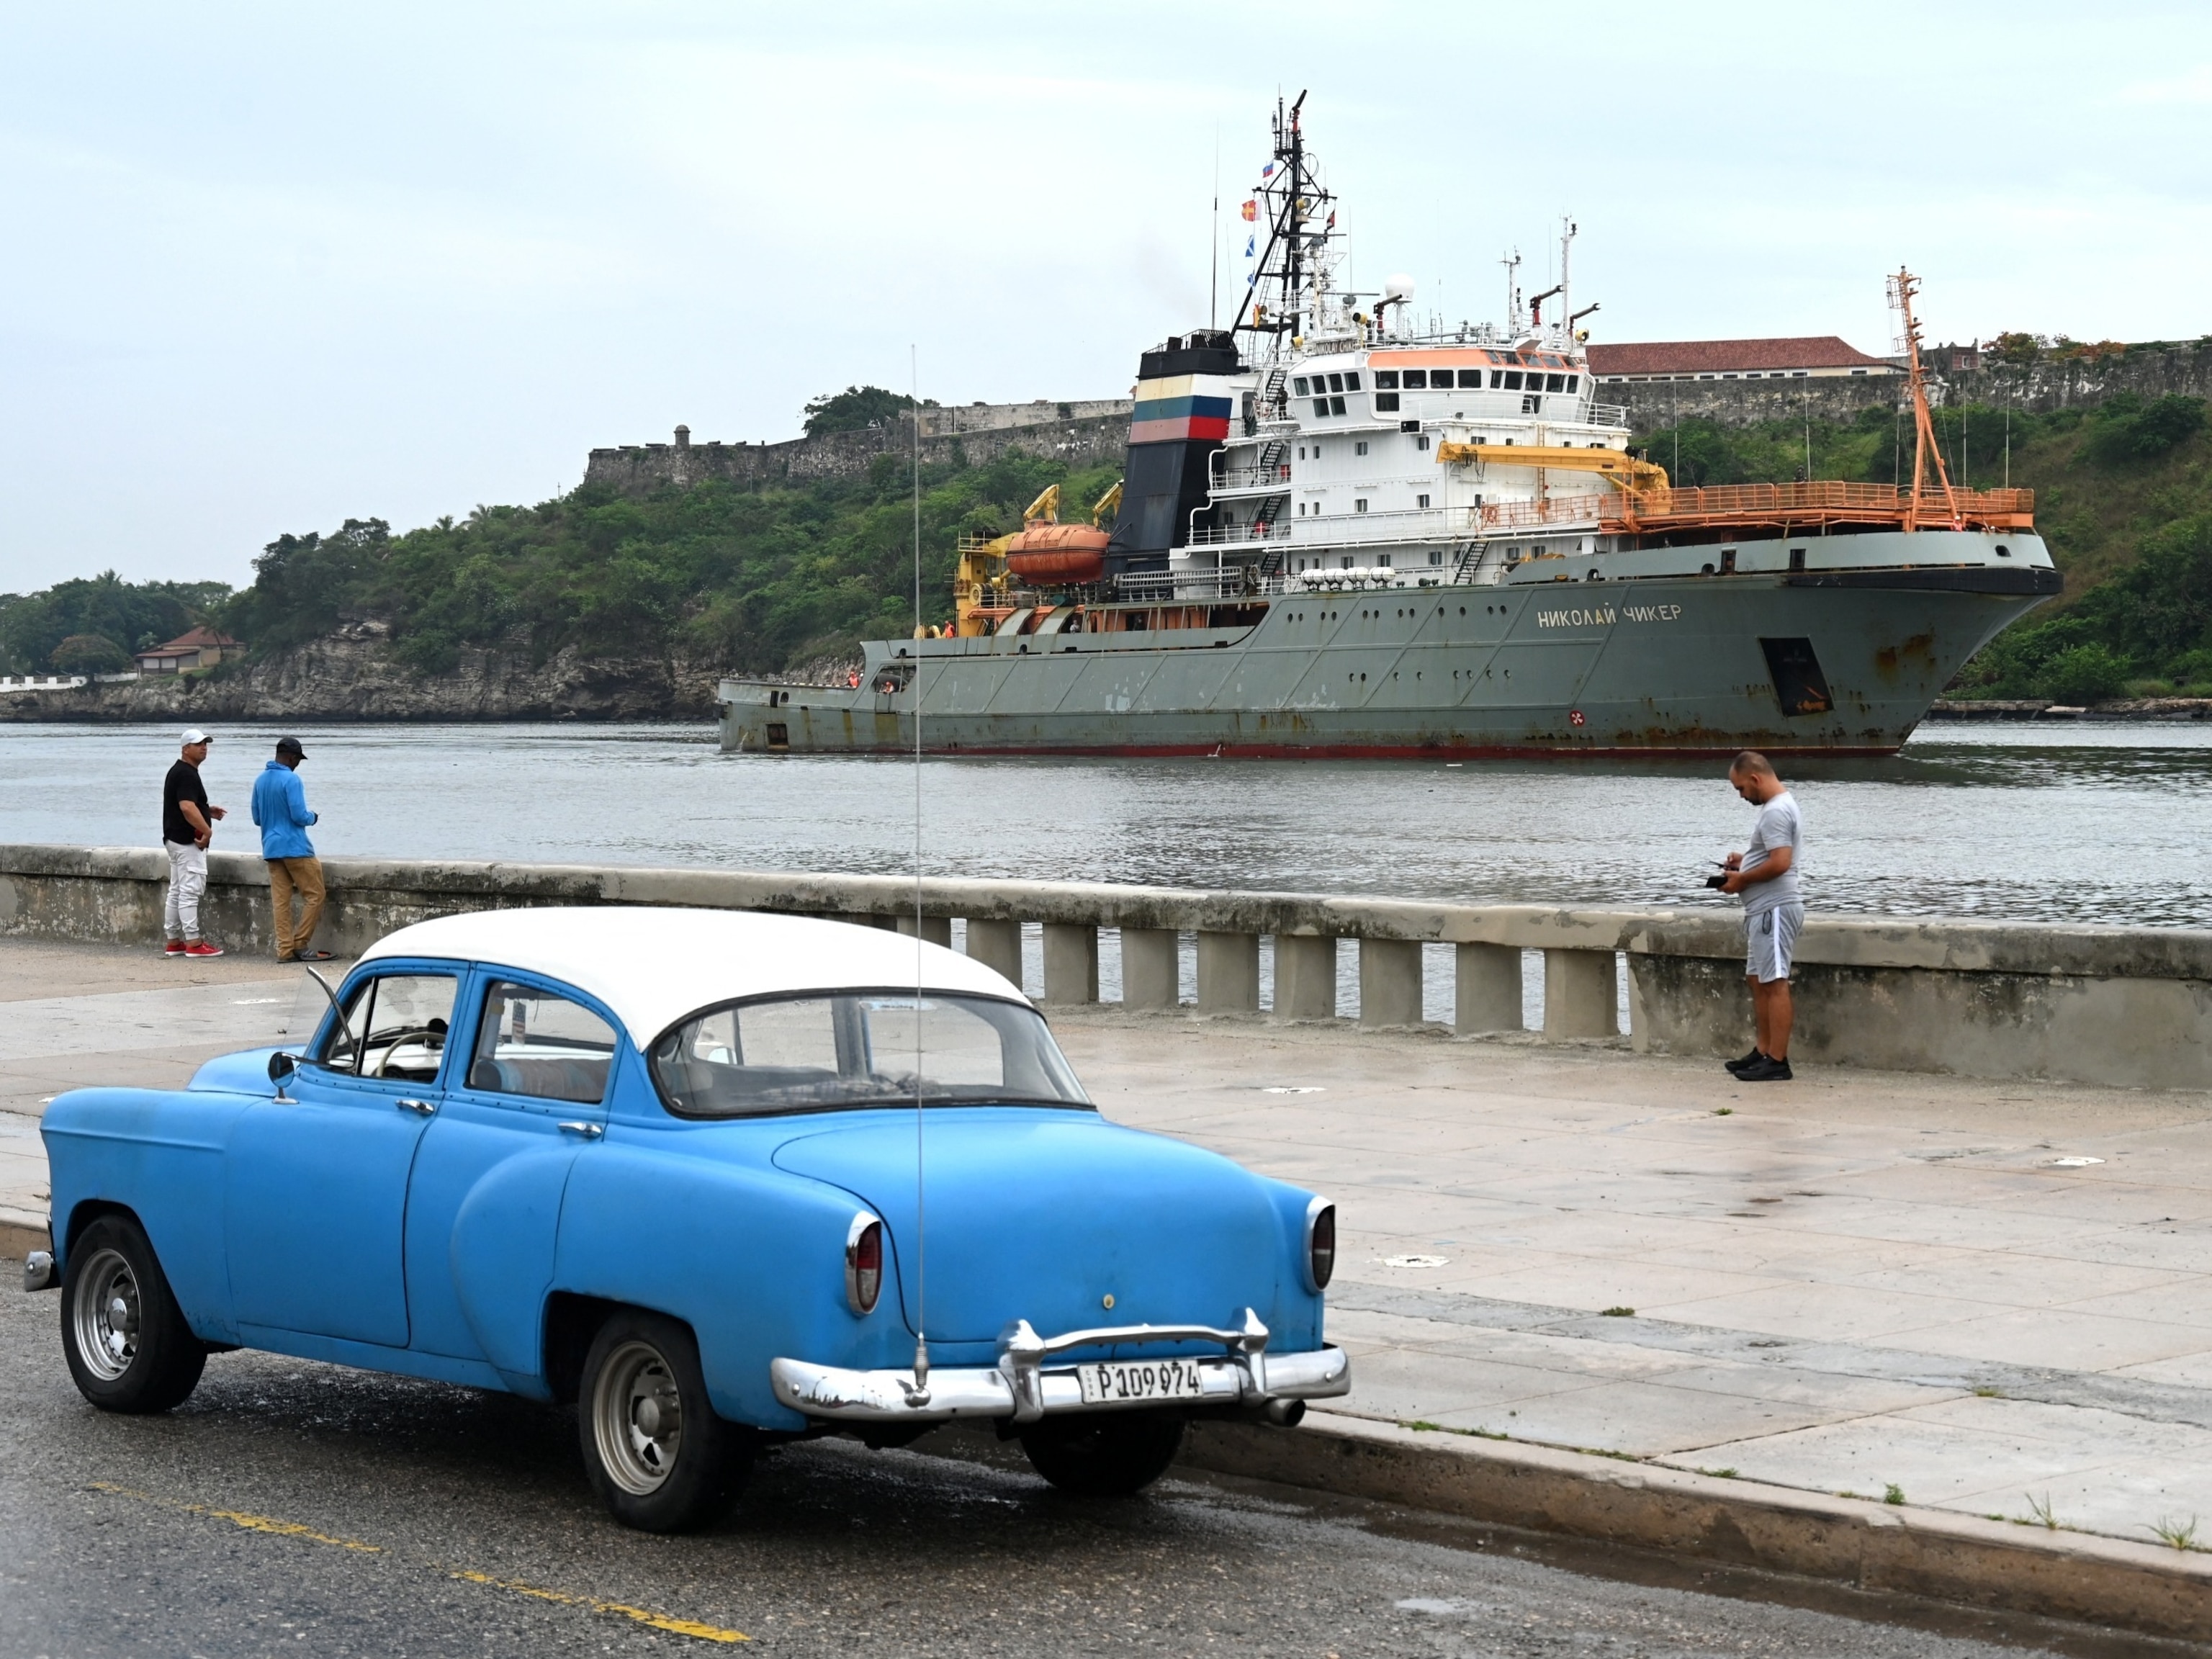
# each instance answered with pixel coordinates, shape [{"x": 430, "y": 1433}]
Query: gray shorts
[{"x": 1770, "y": 938}]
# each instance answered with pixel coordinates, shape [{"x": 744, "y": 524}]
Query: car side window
[
  {"x": 394, "y": 1027},
  {"x": 536, "y": 1043}
]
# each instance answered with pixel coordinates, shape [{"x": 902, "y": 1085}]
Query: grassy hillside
[{"x": 2124, "y": 496}]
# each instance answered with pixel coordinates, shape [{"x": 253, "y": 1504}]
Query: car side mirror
[{"x": 281, "y": 1065}]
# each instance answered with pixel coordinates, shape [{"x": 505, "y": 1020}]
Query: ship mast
[
  {"x": 1902, "y": 287},
  {"x": 1294, "y": 258}
]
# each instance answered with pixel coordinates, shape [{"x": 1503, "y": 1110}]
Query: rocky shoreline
[
  {"x": 2042, "y": 708},
  {"x": 352, "y": 675}
]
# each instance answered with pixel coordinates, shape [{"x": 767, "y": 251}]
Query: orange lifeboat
[{"x": 1056, "y": 553}]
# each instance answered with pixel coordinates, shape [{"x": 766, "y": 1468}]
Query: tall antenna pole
[
  {"x": 919, "y": 1394},
  {"x": 1213, "y": 286}
]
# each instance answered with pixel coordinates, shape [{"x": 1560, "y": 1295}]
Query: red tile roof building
[
  {"x": 1734, "y": 359},
  {"x": 202, "y": 647}
]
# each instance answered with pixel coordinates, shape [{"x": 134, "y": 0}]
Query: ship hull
[{"x": 1690, "y": 666}]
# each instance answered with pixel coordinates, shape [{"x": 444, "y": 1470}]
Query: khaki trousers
[{"x": 284, "y": 876}]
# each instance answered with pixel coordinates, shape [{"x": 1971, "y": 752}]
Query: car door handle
[
  {"x": 589, "y": 1131},
  {"x": 425, "y": 1108}
]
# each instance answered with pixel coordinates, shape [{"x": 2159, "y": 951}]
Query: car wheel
[
  {"x": 128, "y": 1346},
  {"x": 1109, "y": 1455},
  {"x": 660, "y": 1458}
]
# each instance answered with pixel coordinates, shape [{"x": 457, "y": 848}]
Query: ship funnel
[{"x": 1181, "y": 417}]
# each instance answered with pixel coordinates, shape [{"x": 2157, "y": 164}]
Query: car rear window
[{"x": 860, "y": 1048}]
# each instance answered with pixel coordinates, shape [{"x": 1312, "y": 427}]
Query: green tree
[
  {"x": 854, "y": 408},
  {"x": 89, "y": 654}
]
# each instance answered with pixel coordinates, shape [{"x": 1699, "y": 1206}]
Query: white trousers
[{"x": 180, "y": 913}]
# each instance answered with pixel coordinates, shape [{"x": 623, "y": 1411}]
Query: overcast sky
[{"x": 268, "y": 267}]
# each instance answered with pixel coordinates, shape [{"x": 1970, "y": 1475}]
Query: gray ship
[{"x": 1343, "y": 533}]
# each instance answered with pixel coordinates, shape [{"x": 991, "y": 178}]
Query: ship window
[
  {"x": 1336, "y": 383},
  {"x": 1298, "y": 385},
  {"x": 1531, "y": 405},
  {"x": 1797, "y": 558},
  {"x": 1360, "y": 448},
  {"x": 1351, "y": 383},
  {"x": 1574, "y": 382},
  {"x": 1346, "y": 562},
  {"x": 1437, "y": 556},
  {"x": 1320, "y": 406},
  {"x": 1497, "y": 378},
  {"x": 1386, "y": 380},
  {"x": 1386, "y": 403},
  {"x": 1471, "y": 378},
  {"x": 1555, "y": 383},
  {"x": 1383, "y": 561},
  {"x": 1336, "y": 405},
  {"x": 1359, "y": 503},
  {"x": 1417, "y": 380},
  {"x": 1420, "y": 500},
  {"x": 1421, "y": 441},
  {"x": 1512, "y": 380}
]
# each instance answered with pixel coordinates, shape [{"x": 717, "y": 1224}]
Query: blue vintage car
[{"x": 720, "y": 1179}]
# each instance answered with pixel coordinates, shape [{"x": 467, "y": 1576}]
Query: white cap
[{"x": 194, "y": 734}]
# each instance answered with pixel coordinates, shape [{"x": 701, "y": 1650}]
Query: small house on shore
[{"x": 200, "y": 648}]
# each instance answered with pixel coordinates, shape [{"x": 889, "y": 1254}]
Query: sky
[{"x": 267, "y": 267}]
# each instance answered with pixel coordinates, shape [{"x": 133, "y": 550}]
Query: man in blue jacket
[{"x": 280, "y": 807}]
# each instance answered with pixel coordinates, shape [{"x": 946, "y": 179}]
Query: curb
[
  {"x": 20, "y": 1232},
  {"x": 2149, "y": 1589}
]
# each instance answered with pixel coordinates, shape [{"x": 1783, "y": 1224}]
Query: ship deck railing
[{"x": 1803, "y": 505}]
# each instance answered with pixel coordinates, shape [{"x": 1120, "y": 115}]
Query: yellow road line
[
  {"x": 240, "y": 1518},
  {"x": 657, "y": 1620},
  {"x": 275, "y": 1528}
]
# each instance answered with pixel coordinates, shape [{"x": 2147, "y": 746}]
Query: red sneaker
[
  {"x": 175, "y": 947},
  {"x": 200, "y": 947}
]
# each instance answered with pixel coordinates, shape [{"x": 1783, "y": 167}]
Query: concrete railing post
[
  {"x": 997, "y": 946},
  {"x": 1071, "y": 962},
  {"x": 1305, "y": 976},
  {"x": 1486, "y": 994},
  {"x": 938, "y": 930},
  {"x": 1151, "y": 968},
  {"x": 1389, "y": 981},
  {"x": 1582, "y": 994},
  {"x": 1228, "y": 973}
]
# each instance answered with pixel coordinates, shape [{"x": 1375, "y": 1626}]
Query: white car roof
[{"x": 654, "y": 966}]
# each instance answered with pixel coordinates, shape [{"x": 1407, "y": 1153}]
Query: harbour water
[{"x": 2099, "y": 823}]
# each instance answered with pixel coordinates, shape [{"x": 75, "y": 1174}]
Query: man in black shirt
[{"x": 187, "y": 826}]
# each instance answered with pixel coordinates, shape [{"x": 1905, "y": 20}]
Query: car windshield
[{"x": 855, "y": 1048}]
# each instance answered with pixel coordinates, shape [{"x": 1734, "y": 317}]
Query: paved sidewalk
[{"x": 1991, "y": 1298}]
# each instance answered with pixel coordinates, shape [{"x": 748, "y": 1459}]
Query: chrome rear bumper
[{"x": 1026, "y": 1385}]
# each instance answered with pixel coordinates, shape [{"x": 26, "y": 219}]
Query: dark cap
[{"x": 290, "y": 746}]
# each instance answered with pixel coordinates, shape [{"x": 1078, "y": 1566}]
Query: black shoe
[
  {"x": 1740, "y": 1066},
  {"x": 1766, "y": 1071}
]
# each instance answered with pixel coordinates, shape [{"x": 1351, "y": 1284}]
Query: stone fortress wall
[
  {"x": 1085, "y": 433},
  {"x": 1090, "y": 431},
  {"x": 2077, "y": 382}
]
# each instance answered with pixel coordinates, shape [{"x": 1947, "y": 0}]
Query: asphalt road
[{"x": 291, "y": 1507}]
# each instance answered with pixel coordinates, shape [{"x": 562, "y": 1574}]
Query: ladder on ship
[{"x": 1469, "y": 561}]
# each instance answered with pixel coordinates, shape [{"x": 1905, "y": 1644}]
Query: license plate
[{"x": 1141, "y": 1379}]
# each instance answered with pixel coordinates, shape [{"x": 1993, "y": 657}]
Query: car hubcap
[
  {"x": 107, "y": 1315},
  {"x": 637, "y": 1418}
]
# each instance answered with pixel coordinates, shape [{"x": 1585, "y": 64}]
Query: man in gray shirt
[{"x": 1766, "y": 874}]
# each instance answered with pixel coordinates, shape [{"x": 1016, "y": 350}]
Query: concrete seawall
[{"x": 2120, "y": 1006}]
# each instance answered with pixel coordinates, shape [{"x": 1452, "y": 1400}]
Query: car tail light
[
  {"x": 864, "y": 1263},
  {"x": 1320, "y": 1244}
]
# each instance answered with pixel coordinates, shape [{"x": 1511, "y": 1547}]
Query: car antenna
[
  {"x": 339, "y": 1011},
  {"x": 918, "y": 1393}
]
